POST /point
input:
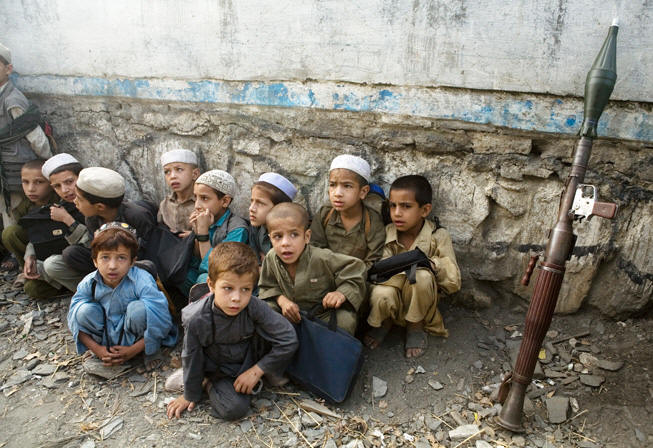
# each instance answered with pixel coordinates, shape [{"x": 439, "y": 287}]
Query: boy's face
[
  {"x": 232, "y": 292},
  {"x": 5, "y": 71},
  {"x": 180, "y": 176},
  {"x": 36, "y": 187},
  {"x": 344, "y": 190},
  {"x": 206, "y": 198},
  {"x": 63, "y": 184},
  {"x": 288, "y": 239},
  {"x": 406, "y": 214},
  {"x": 113, "y": 265},
  {"x": 259, "y": 206},
  {"x": 84, "y": 206}
]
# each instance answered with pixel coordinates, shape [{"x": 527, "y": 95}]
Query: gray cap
[
  {"x": 219, "y": 180},
  {"x": 5, "y": 53},
  {"x": 101, "y": 182}
]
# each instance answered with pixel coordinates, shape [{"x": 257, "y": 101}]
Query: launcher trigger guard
[{"x": 585, "y": 204}]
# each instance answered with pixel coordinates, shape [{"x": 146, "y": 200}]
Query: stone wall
[{"x": 495, "y": 189}]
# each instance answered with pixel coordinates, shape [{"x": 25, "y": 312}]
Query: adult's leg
[
  {"x": 40, "y": 289},
  {"x": 226, "y": 402}
]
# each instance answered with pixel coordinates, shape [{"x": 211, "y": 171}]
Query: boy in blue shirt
[{"x": 118, "y": 311}]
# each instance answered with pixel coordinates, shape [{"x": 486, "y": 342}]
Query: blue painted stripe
[{"x": 544, "y": 114}]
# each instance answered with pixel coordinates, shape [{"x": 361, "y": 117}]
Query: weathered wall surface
[
  {"x": 495, "y": 190},
  {"x": 482, "y": 97}
]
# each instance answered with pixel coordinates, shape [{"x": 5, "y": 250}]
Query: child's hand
[
  {"x": 29, "y": 270},
  {"x": 289, "y": 309},
  {"x": 123, "y": 353},
  {"x": 203, "y": 220},
  {"x": 247, "y": 380},
  {"x": 179, "y": 405},
  {"x": 60, "y": 214},
  {"x": 333, "y": 300},
  {"x": 183, "y": 235}
]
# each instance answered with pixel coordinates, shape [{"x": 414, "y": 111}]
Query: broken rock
[
  {"x": 557, "y": 409},
  {"x": 44, "y": 369},
  {"x": 592, "y": 380},
  {"x": 379, "y": 387},
  {"x": 463, "y": 432},
  {"x": 612, "y": 366}
]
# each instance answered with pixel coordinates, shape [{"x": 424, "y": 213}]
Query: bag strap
[
  {"x": 319, "y": 309},
  {"x": 366, "y": 218}
]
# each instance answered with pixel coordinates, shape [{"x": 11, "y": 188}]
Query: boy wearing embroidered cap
[
  {"x": 269, "y": 190},
  {"x": 118, "y": 310},
  {"x": 347, "y": 225},
  {"x": 180, "y": 171},
  {"x": 99, "y": 197},
  {"x": 212, "y": 221}
]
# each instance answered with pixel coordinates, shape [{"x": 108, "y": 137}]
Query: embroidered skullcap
[
  {"x": 280, "y": 182},
  {"x": 5, "y": 53},
  {"x": 218, "y": 180},
  {"x": 101, "y": 182},
  {"x": 118, "y": 225},
  {"x": 179, "y": 155},
  {"x": 55, "y": 162},
  {"x": 352, "y": 163}
]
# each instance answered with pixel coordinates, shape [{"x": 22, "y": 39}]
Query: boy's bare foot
[
  {"x": 376, "y": 335},
  {"x": 9, "y": 263},
  {"x": 175, "y": 382},
  {"x": 416, "y": 339}
]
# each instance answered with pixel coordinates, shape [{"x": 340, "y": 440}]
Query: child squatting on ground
[
  {"x": 269, "y": 190},
  {"x": 347, "y": 225},
  {"x": 296, "y": 276},
  {"x": 231, "y": 339},
  {"x": 180, "y": 171},
  {"x": 396, "y": 301},
  {"x": 118, "y": 311}
]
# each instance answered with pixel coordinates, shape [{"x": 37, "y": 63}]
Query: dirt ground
[{"x": 427, "y": 401}]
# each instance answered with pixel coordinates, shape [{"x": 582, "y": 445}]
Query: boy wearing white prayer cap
[
  {"x": 347, "y": 224},
  {"x": 269, "y": 190},
  {"x": 180, "y": 171},
  {"x": 99, "y": 197}
]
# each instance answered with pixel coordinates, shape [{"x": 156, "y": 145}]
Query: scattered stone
[
  {"x": 19, "y": 376},
  {"x": 431, "y": 423},
  {"x": 89, "y": 443},
  {"x": 478, "y": 364},
  {"x": 53, "y": 381},
  {"x": 440, "y": 435},
  {"x": 460, "y": 384},
  {"x": 245, "y": 425},
  {"x": 330, "y": 444},
  {"x": 463, "y": 432},
  {"x": 137, "y": 378},
  {"x": 519, "y": 441},
  {"x": 436, "y": 385},
  {"x": 552, "y": 334},
  {"x": 194, "y": 436},
  {"x": 592, "y": 380},
  {"x": 422, "y": 443},
  {"x": 640, "y": 435},
  {"x": 141, "y": 390},
  {"x": 557, "y": 409},
  {"x": 379, "y": 387},
  {"x": 612, "y": 366},
  {"x": 311, "y": 419},
  {"x": 550, "y": 373},
  {"x": 574, "y": 404},
  {"x": 588, "y": 360},
  {"x": 20, "y": 354},
  {"x": 110, "y": 427},
  {"x": 310, "y": 405},
  {"x": 44, "y": 369},
  {"x": 94, "y": 367},
  {"x": 262, "y": 403},
  {"x": 482, "y": 444},
  {"x": 32, "y": 363},
  {"x": 291, "y": 441},
  {"x": 409, "y": 379}
]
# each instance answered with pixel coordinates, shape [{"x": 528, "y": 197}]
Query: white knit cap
[
  {"x": 280, "y": 182},
  {"x": 101, "y": 182},
  {"x": 5, "y": 53},
  {"x": 179, "y": 155},
  {"x": 55, "y": 162},
  {"x": 352, "y": 163},
  {"x": 218, "y": 180}
]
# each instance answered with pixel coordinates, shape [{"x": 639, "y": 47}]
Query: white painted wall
[{"x": 541, "y": 46}]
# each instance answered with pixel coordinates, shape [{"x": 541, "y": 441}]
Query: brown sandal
[{"x": 416, "y": 339}]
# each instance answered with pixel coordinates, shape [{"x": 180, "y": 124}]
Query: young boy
[
  {"x": 212, "y": 221},
  {"x": 348, "y": 226},
  {"x": 225, "y": 337},
  {"x": 62, "y": 171},
  {"x": 180, "y": 171},
  {"x": 99, "y": 197},
  {"x": 397, "y": 301},
  {"x": 118, "y": 311},
  {"x": 296, "y": 276},
  {"x": 15, "y": 237},
  {"x": 28, "y": 145}
]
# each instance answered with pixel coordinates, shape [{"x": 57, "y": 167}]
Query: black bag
[
  {"x": 407, "y": 262},
  {"x": 47, "y": 236},
  {"x": 170, "y": 254},
  {"x": 328, "y": 358}
]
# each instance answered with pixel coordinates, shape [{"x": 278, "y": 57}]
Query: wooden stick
[
  {"x": 293, "y": 426},
  {"x": 470, "y": 437}
]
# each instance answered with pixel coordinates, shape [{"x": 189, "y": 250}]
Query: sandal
[
  {"x": 375, "y": 336},
  {"x": 9, "y": 264},
  {"x": 418, "y": 340}
]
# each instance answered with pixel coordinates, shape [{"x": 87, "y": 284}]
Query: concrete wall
[{"x": 482, "y": 97}]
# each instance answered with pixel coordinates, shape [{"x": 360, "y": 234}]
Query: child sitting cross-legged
[
  {"x": 231, "y": 339},
  {"x": 296, "y": 276},
  {"x": 397, "y": 301},
  {"x": 118, "y": 311}
]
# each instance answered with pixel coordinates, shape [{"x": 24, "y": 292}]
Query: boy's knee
[
  {"x": 226, "y": 402},
  {"x": 136, "y": 318},
  {"x": 424, "y": 277},
  {"x": 11, "y": 234},
  {"x": 90, "y": 317},
  {"x": 381, "y": 293},
  {"x": 38, "y": 289},
  {"x": 347, "y": 320}
]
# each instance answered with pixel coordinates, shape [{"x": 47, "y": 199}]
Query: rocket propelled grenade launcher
[{"x": 578, "y": 201}]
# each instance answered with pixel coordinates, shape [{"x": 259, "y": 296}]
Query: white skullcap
[
  {"x": 179, "y": 155},
  {"x": 5, "y": 53},
  {"x": 218, "y": 180},
  {"x": 101, "y": 182},
  {"x": 55, "y": 162},
  {"x": 352, "y": 163},
  {"x": 280, "y": 182}
]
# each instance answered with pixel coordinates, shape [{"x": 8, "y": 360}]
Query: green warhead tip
[{"x": 600, "y": 82}]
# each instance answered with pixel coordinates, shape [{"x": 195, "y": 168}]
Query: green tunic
[{"x": 363, "y": 241}]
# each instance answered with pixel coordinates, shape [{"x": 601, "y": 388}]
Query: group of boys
[{"x": 232, "y": 339}]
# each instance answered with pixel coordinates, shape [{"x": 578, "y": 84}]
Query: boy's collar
[
  {"x": 173, "y": 197},
  {"x": 222, "y": 218}
]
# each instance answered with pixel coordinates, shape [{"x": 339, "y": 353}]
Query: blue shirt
[
  {"x": 239, "y": 235},
  {"x": 138, "y": 284}
]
